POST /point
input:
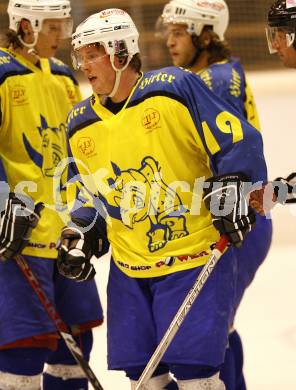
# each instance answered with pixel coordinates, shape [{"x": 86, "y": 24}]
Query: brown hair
[
  {"x": 136, "y": 63},
  {"x": 10, "y": 39},
  {"x": 218, "y": 50}
]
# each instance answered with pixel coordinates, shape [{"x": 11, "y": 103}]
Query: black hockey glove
[
  {"x": 285, "y": 189},
  {"x": 231, "y": 214},
  {"x": 18, "y": 219},
  {"x": 75, "y": 249}
]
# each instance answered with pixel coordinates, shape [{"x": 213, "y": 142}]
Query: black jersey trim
[
  {"x": 82, "y": 125},
  {"x": 61, "y": 73},
  {"x": 6, "y": 75}
]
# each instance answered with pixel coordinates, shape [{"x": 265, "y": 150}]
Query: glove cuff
[
  {"x": 229, "y": 177},
  {"x": 96, "y": 241}
]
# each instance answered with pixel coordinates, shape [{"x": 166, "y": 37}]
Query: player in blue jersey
[
  {"x": 144, "y": 146},
  {"x": 36, "y": 93},
  {"x": 194, "y": 33}
]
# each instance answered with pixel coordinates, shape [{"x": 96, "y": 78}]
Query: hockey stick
[
  {"x": 182, "y": 313},
  {"x": 60, "y": 325}
]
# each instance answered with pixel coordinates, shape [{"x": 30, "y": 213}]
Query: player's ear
[
  {"x": 26, "y": 28},
  {"x": 205, "y": 39}
]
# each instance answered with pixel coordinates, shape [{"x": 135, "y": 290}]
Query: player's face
[
  {"x": 287, "y": 54},
  {"x": 180, "y": 45},
  {"x": 49, "y": 38},
  {"x": 96, "y": 66}
]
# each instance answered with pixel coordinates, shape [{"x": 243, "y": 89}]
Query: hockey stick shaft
[
  {"x": 58, "y": 322},
  {"x": 182, "y": 313}
]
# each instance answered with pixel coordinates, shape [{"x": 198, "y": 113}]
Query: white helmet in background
[
  {"x": 36, "y": 11},
  {"x": 115, "y": 30},
  {"x": 197, "y": 14}
]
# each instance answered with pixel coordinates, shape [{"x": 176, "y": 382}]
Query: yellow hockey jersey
[
  {"x": 34, "y": 106},
  {"x": 147, "y": 164}
]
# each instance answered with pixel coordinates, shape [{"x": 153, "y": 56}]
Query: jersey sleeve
[
  {"x": 2, "y": 99},
  {"x": 9, "y": 66},
  {"x": 82, "y": 204},
  {"x": 4, "y": 187},
  {"x": 251, "y": 109},
  {"x": 228, "y": 80},
  {"x": 67, "y": 77},
  {"x": 232, "y": 144},
  {"x": 0, "y": 113}
]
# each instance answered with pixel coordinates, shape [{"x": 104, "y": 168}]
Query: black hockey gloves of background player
[
  {"x": 19, "y": 216},
  {"x": 289, "y": 194},
  {"x": 231, "y": 214},
  {"x": 76, "y": 247}
]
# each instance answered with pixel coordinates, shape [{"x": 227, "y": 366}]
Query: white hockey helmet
[
  {"x": 36, "y": 11},
  {"x": 197, "y": 14},
  {"x": 113, "y": 28}
]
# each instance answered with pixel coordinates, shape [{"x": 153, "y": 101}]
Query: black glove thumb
[{"x": 38, "y": 208}]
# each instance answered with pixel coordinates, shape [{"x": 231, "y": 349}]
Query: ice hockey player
[
  {"x": 36, "y": 93},
  {"x": 152, "y": 140},
  {"x": 281, "y": 30},
  {"x": 194, "y": 34},
  {"x": 281, "y": 39}
]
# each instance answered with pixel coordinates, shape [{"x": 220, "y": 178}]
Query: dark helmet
[
  {"x": 282, "y": 13},
  {"x": 282, "y": 17}
]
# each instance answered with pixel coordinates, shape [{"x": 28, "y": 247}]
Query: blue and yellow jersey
[
  {"x": 147, "y": 164},
  {"x": 34, "y": 106},
  {"x": 227, "y": 80}
]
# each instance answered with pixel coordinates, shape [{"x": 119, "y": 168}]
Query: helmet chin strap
[
  {"x": 118, "y": 73},
  {"x": 116, "y": 83},
  {"x": 30, "y": 46}
]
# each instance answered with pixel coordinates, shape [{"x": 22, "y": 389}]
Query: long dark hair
[
  {"x": 10, "y": 39},
  {"x": 218, "y": 50}
]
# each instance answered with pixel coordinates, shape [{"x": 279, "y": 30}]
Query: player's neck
[
  {"x": 127, "y": 82},
  {"x": 29, "y": 55},
  {"x": 201, "y": 63}
]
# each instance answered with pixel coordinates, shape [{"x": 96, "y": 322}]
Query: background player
[
  {"x": 280, "y": 33},
  {"x": 159, "y": 131},
  {"x": 194, "y": 33},
  {"x": 281, "y": 38},
  {"x": 36, "y": 93}
]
